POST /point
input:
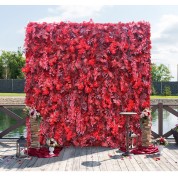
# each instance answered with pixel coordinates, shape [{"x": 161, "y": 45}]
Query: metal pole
[
  {"x": 177, "y": 72},
  {"x": 12, "y": 85}
]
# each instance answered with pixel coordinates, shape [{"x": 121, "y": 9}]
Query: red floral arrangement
[{"x": 80, "y": 76}]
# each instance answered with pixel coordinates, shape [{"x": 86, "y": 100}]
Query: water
[
  {"x": 169, "y": 121},
  {"x": 6, "y": 121}
]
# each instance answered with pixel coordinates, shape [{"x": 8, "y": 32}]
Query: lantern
[{"x": 21, "y": 147}]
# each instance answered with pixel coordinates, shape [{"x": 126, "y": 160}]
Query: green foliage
[
  {"x": 153, "y": 90},
  {"x": 160, "y": 73},
  {"x": 11, "y": 64},
  {"x": 167, "y": 91},
  {"x": 1, "y": 68}
]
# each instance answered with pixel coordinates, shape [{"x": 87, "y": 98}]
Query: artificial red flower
[{"x": 80, "y": 76}]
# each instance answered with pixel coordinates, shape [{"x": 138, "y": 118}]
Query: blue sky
[{"x": 163, "y": 20}]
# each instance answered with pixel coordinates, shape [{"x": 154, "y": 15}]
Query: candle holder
[
  {"x": 21, "y": 148},
  {"x": 127, "y": 114}
]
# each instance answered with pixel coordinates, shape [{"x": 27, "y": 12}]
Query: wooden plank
[
  {"x": 5, "y": 155},
  {"x": 154, "y": 108},
  {"x": 58, "y": 160},
  {"x": 113, "y": 160},
  {"x": 96, "y": 164},
  {"x": 76, "y": 161},
  {"x": 30, "y": 164},
  {"x": 128, "y": 163},
  {"x": 17, "y": 164},
  {"x": 24, "y": 163},
  {"x": 135, "y": 163},
  {"x": 154, "y": 163},
  {"x": 70, "y": 160},
  {"x": 104, "y": 159},
  {"x": 171, "y": 110},
  {"x": 11, "y": 160},
  {"x": 167, "y": 134},
  {"x": 140, "y": 162},
  {"x": 147, "y": 162},
  {"x": 172, "y": 158},
  {"x": 89, "y": 159},
  {"x": 13, "y": 127},
  {"x": 45, "y": 163},
  {"x": 154, "y": 134},
  {"x": 37, "y": 164},
  {"x": 121, "y": 161},
  {"x": 83, "y": 159},
  {"x": 160, "y": 119},
  {"x": 160, "y": 162},
  {"x": 10, "y": 113},
  {"x": 66, "y": 156},
  {"x": 172, "y": 165}
]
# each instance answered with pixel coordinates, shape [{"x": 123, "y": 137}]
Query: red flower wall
[{"x": 80, "y": 76}]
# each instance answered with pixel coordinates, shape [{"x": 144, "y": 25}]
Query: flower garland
[
  {"x": 160, "y": 141},
  {"x": 80, "y": 76}
]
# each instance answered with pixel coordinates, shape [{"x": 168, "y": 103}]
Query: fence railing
[
  {"x": 160, "y": 107},
  {"x": 19, "y": 120}
]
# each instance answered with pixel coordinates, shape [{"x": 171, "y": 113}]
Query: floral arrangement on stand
[
  {"x": 51, "y": 143},
  {"x": 145, "y": 124},
  {"x": 33, "y": 124},
  {"x": 145, "y": 115},
  {"x": 175, "y": 133},
  {"x": 80, "y": 76},
  {"x": 32, "y": 113},
  {"x": 160, "y": 141}
]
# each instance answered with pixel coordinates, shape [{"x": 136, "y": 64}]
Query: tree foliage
[
  {"x": 160, "y": 73},
  {"x": 11, "y": 64},
  {"x": 167, "y": 91}
]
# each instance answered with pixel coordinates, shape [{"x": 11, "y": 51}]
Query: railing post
[{"x": 160, "y": 119}]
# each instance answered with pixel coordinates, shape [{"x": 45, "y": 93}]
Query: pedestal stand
[{"x": 127, "y": 114}]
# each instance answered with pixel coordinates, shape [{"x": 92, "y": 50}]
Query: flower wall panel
[{"x": 80, "y": 76}]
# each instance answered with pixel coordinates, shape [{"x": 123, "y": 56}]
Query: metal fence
[
  {"x": 160, "y": 86},
  {"x": 17, "y": 86},
  {"x": 12, "y": 85}
]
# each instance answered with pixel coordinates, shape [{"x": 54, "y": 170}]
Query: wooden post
[
  {"x": 34, "y": 133},
  {"x": 160, "y": 119},
  {"x": 146, "y": 133}
]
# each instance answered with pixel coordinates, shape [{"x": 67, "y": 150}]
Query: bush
[
  {"x": 167, "y": 91},
  {"x": 153, "y": 90}
]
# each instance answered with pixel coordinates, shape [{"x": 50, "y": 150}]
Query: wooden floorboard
[{"x": 89, "y": 159}]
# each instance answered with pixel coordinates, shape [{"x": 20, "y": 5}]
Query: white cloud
[
  {"x": 165, "y": 42},
  {"x": 75, "y": 12},
  {"x": 50, "y": 19}
]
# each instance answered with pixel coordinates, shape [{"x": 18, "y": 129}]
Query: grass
[
  {"x": 12, "y": 94},
  {"x": 164, "y": 97}
]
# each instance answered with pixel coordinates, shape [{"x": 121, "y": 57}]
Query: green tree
[
  {"x": 160, "y": 73},
  {"x": 12, "y": 63},
  {"x": 167, "y": 91},
  {"x": 1, "y": 69}
]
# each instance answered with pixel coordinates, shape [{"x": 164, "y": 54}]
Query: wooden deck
[{"x": 89, "y": 159}]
